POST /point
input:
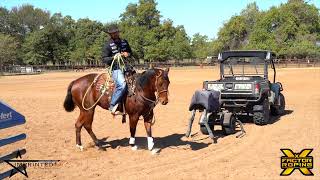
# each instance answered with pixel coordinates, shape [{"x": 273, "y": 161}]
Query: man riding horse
[
  {"x": 145, "y": 90},
  {"x": 116, "y": 46}
]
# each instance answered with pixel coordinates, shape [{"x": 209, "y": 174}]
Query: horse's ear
[
  {"x": 167, "y": 69},
  {"x": 160, "y": 73},
  {"x": 151, "y": 66}
]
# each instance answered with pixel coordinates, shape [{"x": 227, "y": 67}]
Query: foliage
[
  {"x": 8, "y": 50},
  {"x": 290, "y": 30},
  {"x": 33, "y": 36},
  {"x": 151, "y": 39}
]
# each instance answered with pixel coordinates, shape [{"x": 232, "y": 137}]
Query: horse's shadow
[
  {"x": 171, "y": 141},
  {"x": 175, "y": 140}
]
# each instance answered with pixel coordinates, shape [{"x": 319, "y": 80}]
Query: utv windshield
[{"x": 243, "y": 66}]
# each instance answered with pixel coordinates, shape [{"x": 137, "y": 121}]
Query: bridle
[
  {"x": 157, "y": 90},
  {"x": 152, "y": 102}
]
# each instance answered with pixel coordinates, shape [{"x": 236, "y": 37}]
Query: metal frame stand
[
  {"x": 242, "y": 132},
  {"x": 203, "y": 120}
]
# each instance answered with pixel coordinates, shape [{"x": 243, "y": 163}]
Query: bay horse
[{"x": 151, "y": 88}]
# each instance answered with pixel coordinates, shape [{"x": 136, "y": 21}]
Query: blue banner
[{"x": 9, "y": 117}]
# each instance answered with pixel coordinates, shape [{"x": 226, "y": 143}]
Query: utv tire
[
  {"x": 232, "y": 128},
  {"x": 211, "y": 121},
  {"x": 204, "y": 130},
  {"x": 279, "y": 110},
  {"x": 262, "y": 117}
]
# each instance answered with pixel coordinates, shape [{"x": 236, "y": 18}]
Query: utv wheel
[
  {"x": 262, "y": 117},
  {"x": 211, "y": 121},
  {"x": 279, "y": 110},
  {"x": 232, "y": 128},
  {"x": 204, "y": 130}
]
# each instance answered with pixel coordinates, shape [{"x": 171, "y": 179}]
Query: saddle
[
  {"x": 104, "y": 84},
  {"x": 130, "y": 76}
]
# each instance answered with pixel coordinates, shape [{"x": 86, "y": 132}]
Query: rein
[
  {"x": 119, "y": 59},
  {"x": 157, "y": 98},
  {"x": 158, "y": 93}
]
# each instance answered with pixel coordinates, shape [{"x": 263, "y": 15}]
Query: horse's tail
[{"x": 68, "y": 102}]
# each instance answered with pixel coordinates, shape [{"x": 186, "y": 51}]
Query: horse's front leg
[
  {"x": 147, "y": 125},
  {"x": 133, "y": 126}
]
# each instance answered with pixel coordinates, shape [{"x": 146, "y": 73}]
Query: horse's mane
[{"x": 144, "y": 77}]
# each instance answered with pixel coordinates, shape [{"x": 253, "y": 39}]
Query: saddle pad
[
  {"x": 203, "y": 99},
  {"x": 102, "y": 86}
]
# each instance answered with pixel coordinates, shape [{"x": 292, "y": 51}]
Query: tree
[
  {"x": 86, "y": 33},
  {"x": 292, "y": 30},
  {"x": 96, "y": 48},
  {"x": 181, "y": 48},
  {"x": 8, "y": 50},
  {"x": 49, "y": 44},
  {"x": 150, "y": 39},
  {"x": 200, "y": 46},
  {"x": 27, "y": 19},
  {"x": 147, "y": 14},
  {"x": 288, "y": 27},
  {"x": 4, "y": 21},
  {"x": 140, "y": 24}
]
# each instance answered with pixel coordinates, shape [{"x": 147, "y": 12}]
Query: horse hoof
[
  {"x": 134, "y": 148},
  {"x": 80, "y": 147},
  {"x": 155, "y": 151},
  {"x": 150, "y": 146},
  {"x": 150, "y": 143}
]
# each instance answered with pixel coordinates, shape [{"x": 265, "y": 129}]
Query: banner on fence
[{"x": 9, "y": 117}]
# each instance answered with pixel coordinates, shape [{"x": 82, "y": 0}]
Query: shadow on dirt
[
  {"x": 273, "y": 119},
  {"x": 173, "y": 141}
]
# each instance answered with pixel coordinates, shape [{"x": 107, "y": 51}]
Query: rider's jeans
[{"x": 120, "y": 86}]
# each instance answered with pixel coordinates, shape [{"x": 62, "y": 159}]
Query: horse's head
[{"x": 162, "y": 84}]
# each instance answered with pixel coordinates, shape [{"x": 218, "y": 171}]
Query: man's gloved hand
[{"x": 125, "y": 54}]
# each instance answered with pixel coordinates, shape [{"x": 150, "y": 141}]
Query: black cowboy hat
[{"x": 113, "y": 29}]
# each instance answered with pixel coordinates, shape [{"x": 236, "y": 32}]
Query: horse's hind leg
[
  {"x": 78, "y": 126},
  {"x": 88, "y": 126}
]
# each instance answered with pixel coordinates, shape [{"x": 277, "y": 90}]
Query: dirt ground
[{"x": 51, "y": 134}]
